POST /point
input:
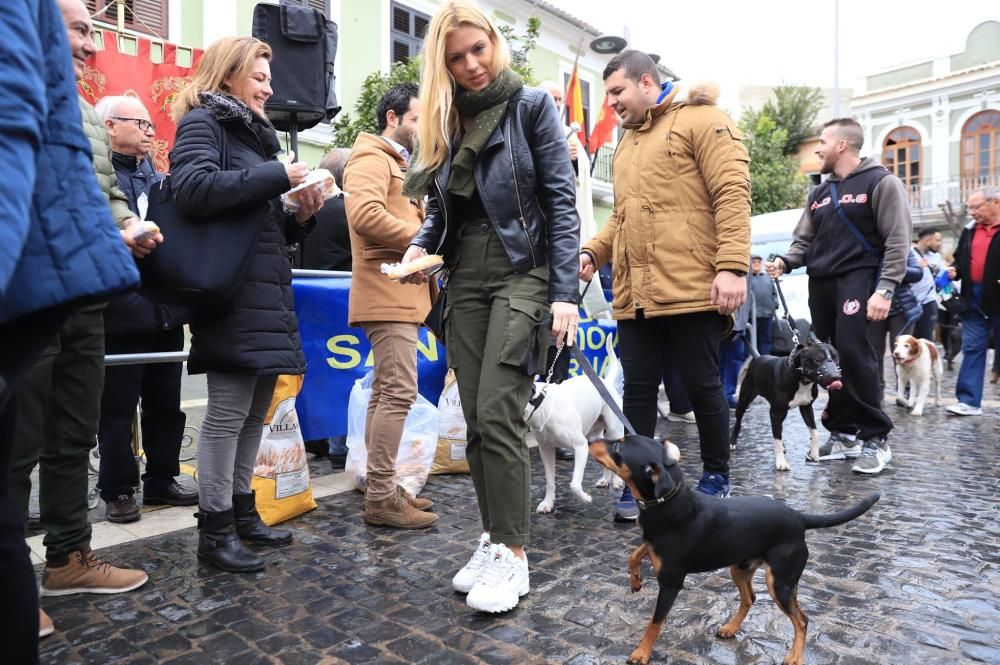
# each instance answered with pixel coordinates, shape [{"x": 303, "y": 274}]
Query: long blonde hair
[
  {"x": 224, "y": 58},
  {"x": 438, "y": 120}
]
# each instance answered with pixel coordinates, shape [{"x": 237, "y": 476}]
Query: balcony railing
[
  {"x": 602, "y": 163},
  {"x": 930, "y": 195}
]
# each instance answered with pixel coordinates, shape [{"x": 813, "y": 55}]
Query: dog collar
[
  {"x": 537, "y": 400},
  {"x": 646, "y": 505}
]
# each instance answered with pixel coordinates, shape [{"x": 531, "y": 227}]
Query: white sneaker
[
  {"x": 466, "y": 578},
  {"x": 963, "y": 409},
  {"x": 503, "y": 581}
]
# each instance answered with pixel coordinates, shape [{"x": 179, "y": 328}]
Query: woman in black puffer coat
[{"x": 245, "y": 346}]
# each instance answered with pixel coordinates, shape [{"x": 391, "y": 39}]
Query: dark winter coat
[
  {"x": 990, "y": 304},
  {"x": 129, "y": 313},
  {"x": 258, "y": 332}
]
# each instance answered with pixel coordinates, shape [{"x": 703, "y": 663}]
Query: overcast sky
[{"x": 769, "y": 42}]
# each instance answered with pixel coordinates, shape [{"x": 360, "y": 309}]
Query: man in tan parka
[
  {"x": 679, "y": 244},
  {"x": 382, "y": 222}
]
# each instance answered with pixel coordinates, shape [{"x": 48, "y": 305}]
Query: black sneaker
[{"x": 122, "y": 509}]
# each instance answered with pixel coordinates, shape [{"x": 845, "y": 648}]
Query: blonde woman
[
  {"x": 492, "y": 160},
  {"x": 245, "y": 346}
]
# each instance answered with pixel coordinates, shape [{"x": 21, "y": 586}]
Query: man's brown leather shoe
[
  {"x": 416, "y": 502},
  {"x": 396, "y": 511}
]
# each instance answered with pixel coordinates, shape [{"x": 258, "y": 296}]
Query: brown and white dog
[{"x": 917, "y": 362}]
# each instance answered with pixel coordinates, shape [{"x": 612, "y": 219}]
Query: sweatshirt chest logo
[{"x": 844, "y": 199}]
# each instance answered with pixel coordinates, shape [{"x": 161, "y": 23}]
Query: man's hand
[
  {"x": 310, "y": 201},
  {"x": 414, "y": 252},
  {"x": 574, "y": 151},
  {"x": 586, "y": 267},
  {"x": 729, "y": 291},
  {"x": 143, "y": 248},
  {"x": 565, "y": 318},
  {"x": 878, "y": 307},
  {"x": 775, "y": 268}
]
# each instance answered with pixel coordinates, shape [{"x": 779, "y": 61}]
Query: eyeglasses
[{"x": 143, "y": 125}]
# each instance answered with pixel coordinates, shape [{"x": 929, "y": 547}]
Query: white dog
[
  {"x": 917, "y": 362},
  {"x": 570, "y": 415}
]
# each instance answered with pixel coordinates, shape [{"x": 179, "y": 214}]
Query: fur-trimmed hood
[{"x": 703, "y": 93}]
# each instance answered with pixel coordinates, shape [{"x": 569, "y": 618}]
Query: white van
[{"x": 771, "y": 233}]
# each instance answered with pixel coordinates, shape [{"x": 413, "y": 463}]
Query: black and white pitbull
[{"x": 786, "y": 383}]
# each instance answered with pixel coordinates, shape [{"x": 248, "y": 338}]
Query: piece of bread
[
  {"x": 399, "y": 270},
  {"x": 320, "y": 177}
]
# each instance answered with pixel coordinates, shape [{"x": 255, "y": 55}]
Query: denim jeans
[{"x": 975, "y": 340}]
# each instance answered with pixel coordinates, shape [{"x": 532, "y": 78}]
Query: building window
[
  {"x": 406, "y": 35},
  {"x": 148, "y": 17},
  {"x": 901, "y": 155},
  {"x": 981, "y": 150}
]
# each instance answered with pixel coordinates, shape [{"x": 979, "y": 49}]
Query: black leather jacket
[{"x": 525, "y": 179}]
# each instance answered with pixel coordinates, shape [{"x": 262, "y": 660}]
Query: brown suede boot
[
  {"x": 396, "y": 511},
  {"x": 416, "y": 502}
]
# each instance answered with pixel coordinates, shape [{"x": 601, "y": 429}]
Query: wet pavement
[{"x": 915, "y": 580}]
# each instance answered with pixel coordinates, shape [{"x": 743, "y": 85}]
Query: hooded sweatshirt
[{"x": 876, "y": 202}]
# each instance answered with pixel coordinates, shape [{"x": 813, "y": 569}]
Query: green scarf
[{"x": 488, "y": 106}]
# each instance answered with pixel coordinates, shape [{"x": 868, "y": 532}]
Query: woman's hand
[
  {"x": 420, "y": 277},
  {"x": 296, "y": 173},
  {"x": 310, "y": 201},
  {"x": 565, "y": 318}
]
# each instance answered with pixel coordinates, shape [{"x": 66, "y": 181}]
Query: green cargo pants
[
  {"x": 58, "y": 409},
  {"x": 491, "y": 313}
]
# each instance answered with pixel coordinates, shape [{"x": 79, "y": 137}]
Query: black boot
[
  {"x": 219, "y": 544},
  {"x": 251, "y": 527}
]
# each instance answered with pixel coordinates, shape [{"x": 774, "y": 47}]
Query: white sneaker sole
[
  {"x": 842, "y": 455},
  {"x": 101, "y": 590},
  {"x": 499, "y": 606},
  {"x": 463, "y": 588}
]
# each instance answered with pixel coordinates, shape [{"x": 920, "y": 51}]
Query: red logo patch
[{"x": 851, "y": 307}]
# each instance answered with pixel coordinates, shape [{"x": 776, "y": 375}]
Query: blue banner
[{"x": 337, "y": 355}]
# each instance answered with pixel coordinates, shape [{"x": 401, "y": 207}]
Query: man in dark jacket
[
  {"x": 855, "y": 236},
  {"x": 58, "y": 246},
  {"x": 328, "y": 247},
  {"x": 135, "y": 324},
  {"x": 977, "y": 264},
  {"x": 765, "y": 298}
]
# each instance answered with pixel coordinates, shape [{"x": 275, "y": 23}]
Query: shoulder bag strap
[{"x": 855, "y": 231}]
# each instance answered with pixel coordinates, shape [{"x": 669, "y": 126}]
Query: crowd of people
[{"x": 472, "y": 165}]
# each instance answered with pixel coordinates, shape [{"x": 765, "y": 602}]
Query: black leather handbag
[
  {"x": 202, "y": 262},
  {"x": 435, "y": 318}
]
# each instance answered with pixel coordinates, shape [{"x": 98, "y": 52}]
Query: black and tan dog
[
  {"x": 787, "y": 383},
  {"x": 684, "y": 531}
]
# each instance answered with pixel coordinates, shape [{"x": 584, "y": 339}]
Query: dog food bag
[
  {"x": 450, "y": 454},
  {"x": 416, "y": 448},
  {"x": 281, "y": 474}
]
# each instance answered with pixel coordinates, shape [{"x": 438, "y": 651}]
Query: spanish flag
[
  {"x": 574, "y": 104},
  {"x": 604, "y": 127}
]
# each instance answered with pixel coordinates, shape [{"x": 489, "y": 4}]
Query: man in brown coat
[
  {"x": 382, "y": 222},
  {"x": 679, "y": 243}
]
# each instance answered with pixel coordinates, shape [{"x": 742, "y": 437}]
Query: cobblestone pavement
[{"x": 915, "y": 580}]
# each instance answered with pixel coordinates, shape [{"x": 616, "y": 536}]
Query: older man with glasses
[{"x": 135, "y": 324}]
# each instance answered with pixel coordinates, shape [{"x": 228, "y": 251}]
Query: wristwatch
[{"x": 885, "y": 293}]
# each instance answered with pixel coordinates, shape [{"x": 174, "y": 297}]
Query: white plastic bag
[{"x": 416, "y": 449}]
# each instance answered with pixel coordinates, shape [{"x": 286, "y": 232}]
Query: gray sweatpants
[{"x": 230, "y": 436}]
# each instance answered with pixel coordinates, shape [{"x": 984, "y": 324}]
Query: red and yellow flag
[
  {"x": 604, "y": 128},
  {"x": 574, "y": 103}
]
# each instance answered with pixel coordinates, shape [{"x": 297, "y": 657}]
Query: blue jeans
[
  {"x": 975, "y": 340},
  {"x": 764, "y": 342},
  {"x": 732, "y": 353}
]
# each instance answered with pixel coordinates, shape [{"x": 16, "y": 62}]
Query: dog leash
[
  {"x": 784, "y": 305},
  {"x": 602, "y": 389}
]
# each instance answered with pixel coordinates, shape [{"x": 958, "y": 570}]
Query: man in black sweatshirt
[{"x": 854, "y": 236}]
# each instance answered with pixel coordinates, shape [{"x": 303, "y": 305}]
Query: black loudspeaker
[{"x": 304, "y": 43}]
